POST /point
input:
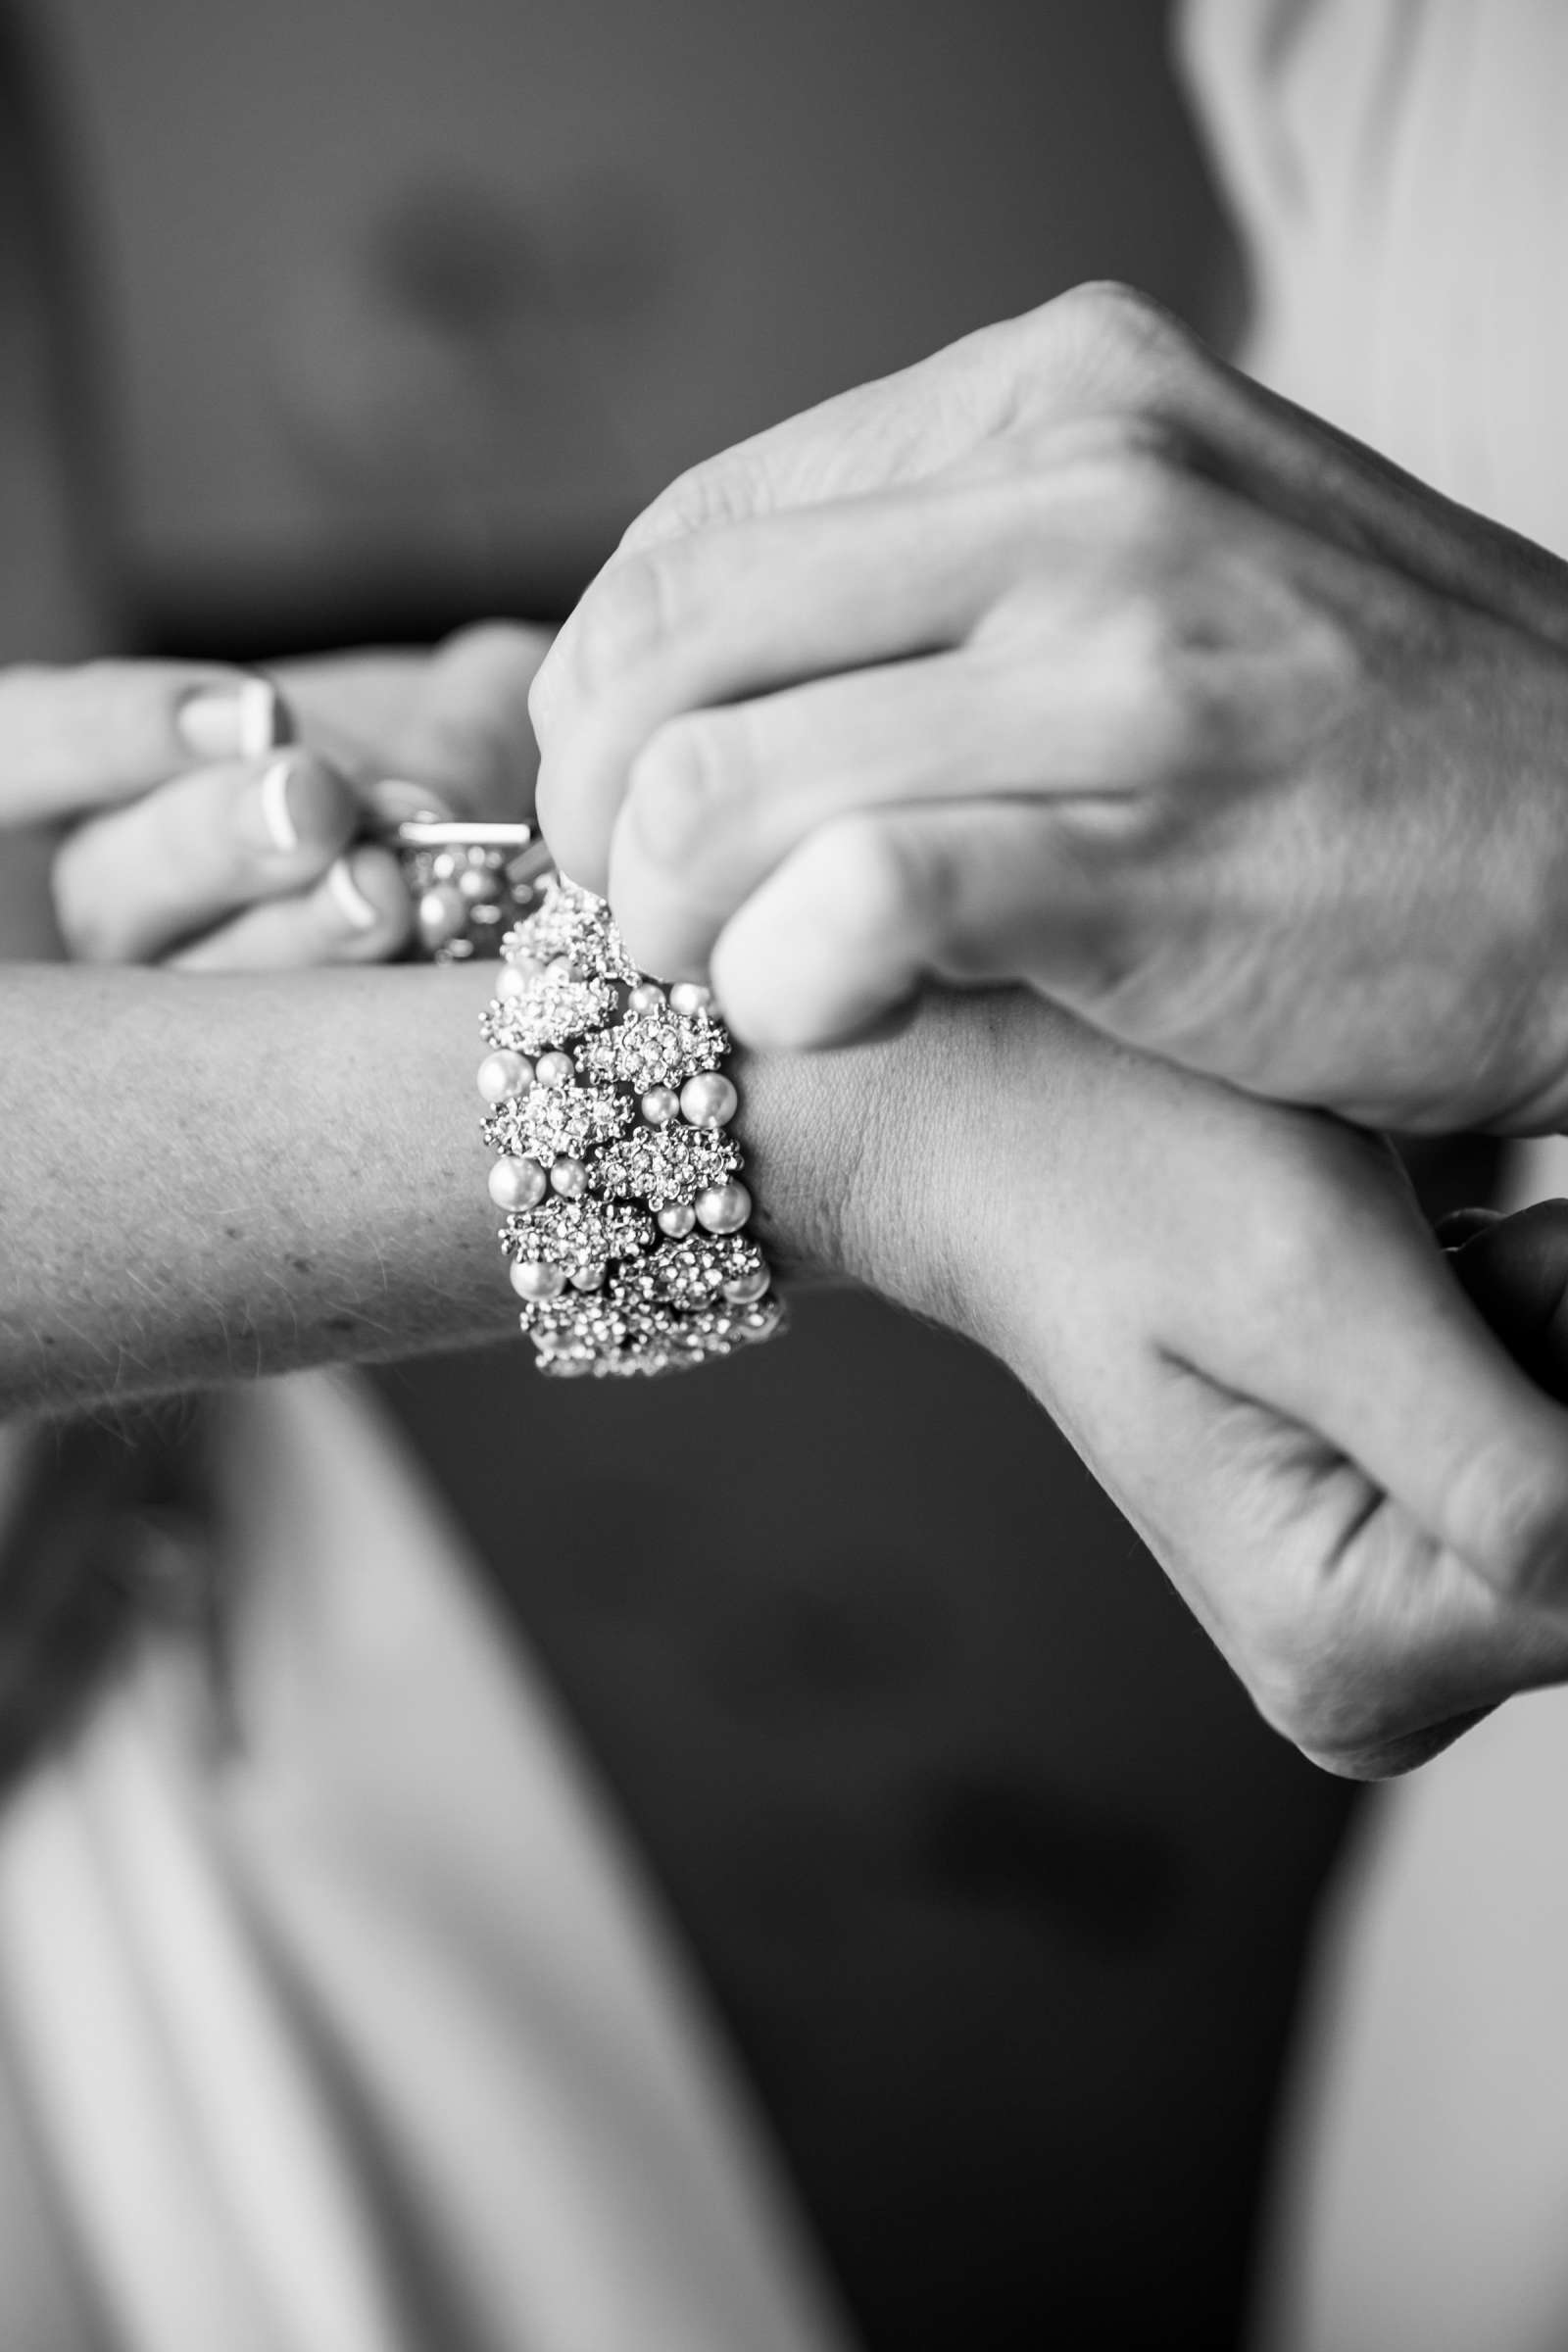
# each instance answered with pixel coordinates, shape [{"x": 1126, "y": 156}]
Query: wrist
[{"x": 858, "y": 1158}]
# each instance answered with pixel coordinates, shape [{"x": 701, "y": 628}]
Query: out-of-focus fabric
[
  {"x": 1399, "y": 169},
  {"x": 1425, "y": 2184},
  {"x": 339, "y": 2018}
]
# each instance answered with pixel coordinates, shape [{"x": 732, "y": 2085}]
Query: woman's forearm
[{"x": 202, "y": 1180}]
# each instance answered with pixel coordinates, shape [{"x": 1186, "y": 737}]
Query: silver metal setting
[{"x": 468, "y": 879}]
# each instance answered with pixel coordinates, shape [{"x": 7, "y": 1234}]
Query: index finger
[
  {"x": 91, "y": 735},
  {"x": 898, "y": 429}
]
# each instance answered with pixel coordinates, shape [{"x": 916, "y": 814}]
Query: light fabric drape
[{"x": 342, "y": 2019}]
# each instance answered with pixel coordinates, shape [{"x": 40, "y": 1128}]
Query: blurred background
[
  {"x": 368, "y": 317},
  {"x": 404, "y": 307}
]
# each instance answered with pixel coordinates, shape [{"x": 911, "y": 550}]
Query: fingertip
[
  {"x": 397, "y": 802},
  {"x": 581, "y": 856},
  {"x": 241, "y": 716},
  {"x": 778, "y": 998},
  {"x": 302, "y": 810},
  {"x": 365, "y": 903},
  {"x": 811, "y": 962}
]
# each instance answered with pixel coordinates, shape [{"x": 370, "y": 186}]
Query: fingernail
[
  {"x": 397, "y": 801},
  {"x": 278, "y": 818},
  {"x": 242, "y": 718},
  {"x": 353, "y": 905}
]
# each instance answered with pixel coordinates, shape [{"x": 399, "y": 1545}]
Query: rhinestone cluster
[{"x": 609, "y": 1116}]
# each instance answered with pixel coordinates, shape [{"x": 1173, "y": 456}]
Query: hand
[
  {"x": 1233, "y": 1309},
  {"x": 204, "y": 843},
  {"x": 1238, "y": 1316},
  {"x": 1071, "y": 656}
]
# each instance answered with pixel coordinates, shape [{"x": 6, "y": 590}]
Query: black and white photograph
[{"x": 783, "y": 1222}]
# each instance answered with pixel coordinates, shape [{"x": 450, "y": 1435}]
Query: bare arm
[
  {"x": 204, "y": 1179},
  {"x": 201, "y": 1180},
  {"x": 1234, "y": 1309}
]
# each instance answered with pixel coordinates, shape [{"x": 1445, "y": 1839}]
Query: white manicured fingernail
[
  {"x": 276, "y": 815},
  {"x": 243, "y": 718},
  {"x": 352, "y": 903},
  {"x": 263, "y": 718}
]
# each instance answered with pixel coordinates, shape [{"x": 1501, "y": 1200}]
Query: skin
[
  {"x": 177, "y": 861},
  {"x": 1072, "y": 657},
  {"x": 1234, "y": 1309}
]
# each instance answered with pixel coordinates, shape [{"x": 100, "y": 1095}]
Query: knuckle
[
  {"x": 487, "y": 641},
  {"x": 625, "y": 617},
  {"x": 1292, "y": 1692},
  {"x": 1181, "y": 711},
  {"x": 1119, "y": 323},
  {"x": 1515, "y": 1518},
  {"x": 1286, "y": 1244},
  {"x": 888, "y": 881},
  {"x": 732, "y": 488},
  {"x": 1147, "y": 499},
  {"x": 1341, "y": 1708},
  {"x": 675, "y": 786}
]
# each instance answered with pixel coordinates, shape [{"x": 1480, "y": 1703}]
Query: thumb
[{"x": 1393, "y": 1362}]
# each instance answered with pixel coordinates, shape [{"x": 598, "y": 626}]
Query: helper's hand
[
  {"x": 1237, "y": 1315},
  {"x": 202, "y": 841},
  {"x": 1071, "y": 656}
]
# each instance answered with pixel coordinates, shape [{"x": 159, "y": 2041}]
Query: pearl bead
[
  {"x": 742, "y": 1289},
  {"x": 511, "y": 982},
  {"x": 531, "y": 1278},
  {"x": 441, "y": 915},
  {"x": 725, "y": 1207},
  {"x": 676, "y": 1218},
  {"x": 516, "y": 1184},
  {"x": 569, "y": 1178},
  {"x": 589, "y": 1278},
  {"x": 502, "y": 1075},
  {"x": 689, "y": 997},
  {"x": 554, "y": 1069},
  {"x": 660, "y": 1105},
  {"x": 477, "y": 883},
  {"x": 709, "y": 1100},
  {"x": 444, "y": 865},
  {"x": 646, "y": 997}
]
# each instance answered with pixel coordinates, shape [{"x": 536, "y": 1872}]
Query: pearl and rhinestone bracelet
[{"x": 610, "y": 1112}]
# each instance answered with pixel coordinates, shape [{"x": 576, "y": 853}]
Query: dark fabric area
[
  {"x": 996, "y": 1876},
  {"x": 107, "y": 1526}
]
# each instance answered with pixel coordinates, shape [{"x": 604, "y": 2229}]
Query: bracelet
[{"x": 610, "y": 1112}]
